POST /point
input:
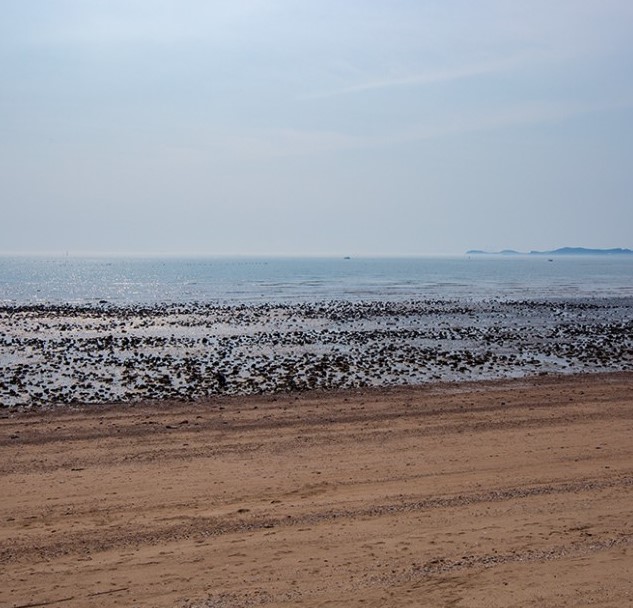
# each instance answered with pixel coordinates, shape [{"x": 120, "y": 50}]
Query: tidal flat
[{"x": 96, "y": 354}]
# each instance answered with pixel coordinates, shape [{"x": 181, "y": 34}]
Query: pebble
[{"x": 72, "y": 354}]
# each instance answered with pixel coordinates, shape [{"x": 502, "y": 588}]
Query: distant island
[{"x": 560, "y": 251}]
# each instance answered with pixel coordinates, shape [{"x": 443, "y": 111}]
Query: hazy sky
[{"x": 315, "y": 127}]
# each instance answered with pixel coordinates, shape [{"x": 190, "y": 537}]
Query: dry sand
[{"x": 510, "y": 493}]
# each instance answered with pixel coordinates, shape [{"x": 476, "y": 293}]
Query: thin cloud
[
  {"x": 526, "y": 114},
  {"x": 292, "y": 143},
  {"x": 277, "y": 143},
  {"x": 432, "y": 77}
]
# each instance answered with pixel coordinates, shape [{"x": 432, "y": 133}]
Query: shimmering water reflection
[{"x": 134, "y": 280}]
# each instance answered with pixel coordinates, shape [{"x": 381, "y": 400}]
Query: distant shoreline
[{"x": 559, "y": 251}]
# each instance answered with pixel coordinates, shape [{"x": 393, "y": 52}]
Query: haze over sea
[{"x": 150, "y": 280}]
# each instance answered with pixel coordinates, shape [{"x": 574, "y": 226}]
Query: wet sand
[
  {"x": 504, "y": 493},
  {"x": 59, "y": 354}
]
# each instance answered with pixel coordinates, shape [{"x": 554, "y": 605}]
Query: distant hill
[
  {"x": 584, "y": 251},
  {"x": 560, "y": 251}
]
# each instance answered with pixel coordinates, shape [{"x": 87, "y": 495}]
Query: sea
[{"x": 251, "y": 280}]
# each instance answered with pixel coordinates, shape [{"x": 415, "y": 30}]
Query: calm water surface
[{"x": 139, "y": 280}]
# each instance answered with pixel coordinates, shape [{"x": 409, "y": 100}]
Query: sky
[{"x": 305, "y": 127}]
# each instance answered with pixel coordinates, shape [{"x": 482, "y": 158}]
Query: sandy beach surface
[{"x": 505, "y": 493}]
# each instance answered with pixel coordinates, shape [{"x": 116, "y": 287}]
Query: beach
[
  {"x": 316, "y": 304},
  {"x": 513, "y": 492}
]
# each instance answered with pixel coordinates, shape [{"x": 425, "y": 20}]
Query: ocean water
[{"x": 152, "y": 280}]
